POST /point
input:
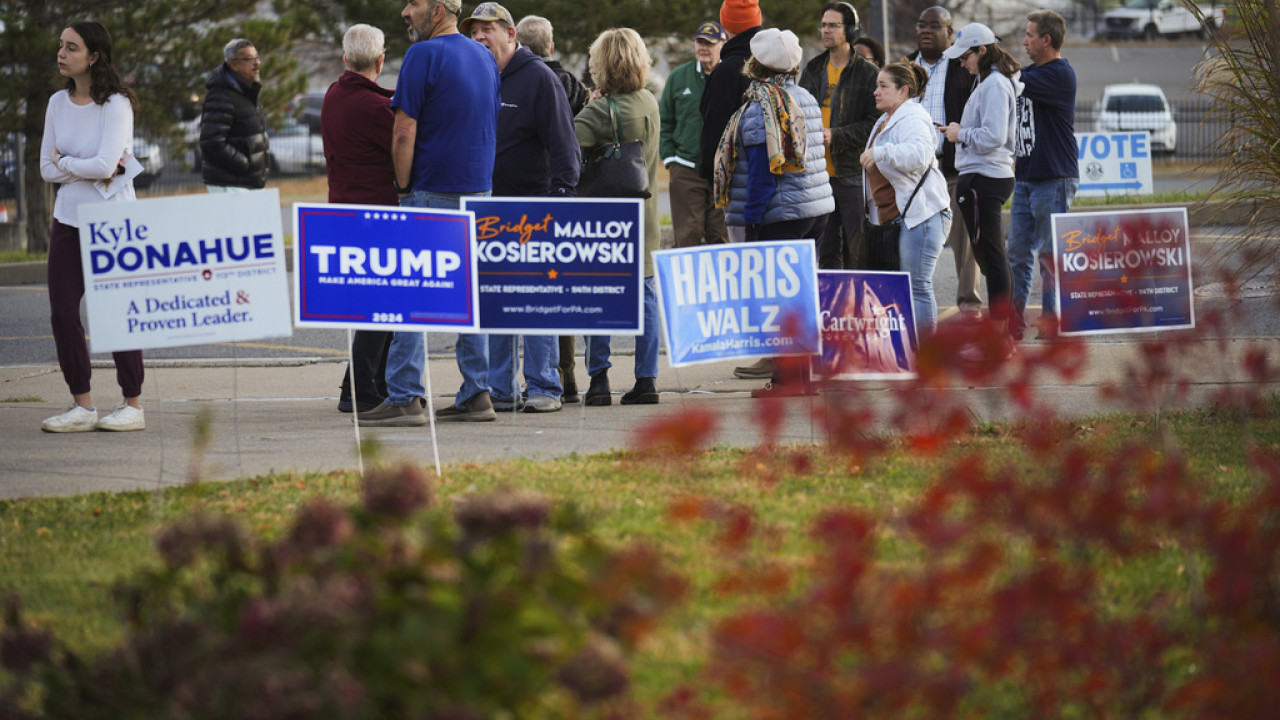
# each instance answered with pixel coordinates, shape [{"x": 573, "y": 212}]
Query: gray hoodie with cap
[{"x": 985, "y": 144}]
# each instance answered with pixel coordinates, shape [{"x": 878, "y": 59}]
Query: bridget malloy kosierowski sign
[{"x": 188, "y": 270}]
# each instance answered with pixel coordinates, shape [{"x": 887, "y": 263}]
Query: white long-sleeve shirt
[{"x": 91, "y": 140}]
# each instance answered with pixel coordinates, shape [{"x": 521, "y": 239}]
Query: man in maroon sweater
[{"x": 355, "y": 122}]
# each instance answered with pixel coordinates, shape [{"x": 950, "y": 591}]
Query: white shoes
[
  {"x": 75, "y": 419},
  {"x": 124, "y": 418}
]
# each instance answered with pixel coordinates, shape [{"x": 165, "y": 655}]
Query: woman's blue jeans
[
  {"x": 918, "y": 249},
  {"x": 646, "y": 345}
]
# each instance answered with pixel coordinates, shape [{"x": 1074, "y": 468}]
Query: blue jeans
[
  {"x": 541, "y": 363},
  {"x": 1031, "y": 235},
  {"x": 918, "y": 249},
  {"x": 646, "y": 344},
  {"x": 407, "y": 357}
]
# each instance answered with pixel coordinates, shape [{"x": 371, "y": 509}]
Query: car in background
[
  {"x": 309, "y": 109},
  {"x": 1133, "y": 107},
  {"x": 1152, "y": 19},
  {"x": 294, "y": 150},
  {"x": 151, "y": 157}
]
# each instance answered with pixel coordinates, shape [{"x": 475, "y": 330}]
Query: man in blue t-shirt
[
  {"x": 442, "y": 146},
  {"x": 1046, "y": 170}
]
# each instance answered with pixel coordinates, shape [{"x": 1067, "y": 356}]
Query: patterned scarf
[{"x": 785, "y": 134}]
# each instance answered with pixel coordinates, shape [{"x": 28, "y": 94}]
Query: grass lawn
[{"x": 64, "y": 554}]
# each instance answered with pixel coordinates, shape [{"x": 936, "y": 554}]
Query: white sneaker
[
  {"x": 75, "y": 419},
  {"x": 124, "y": 418}
]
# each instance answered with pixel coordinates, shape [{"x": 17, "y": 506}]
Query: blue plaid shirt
[{"x": 932, "y": 100}]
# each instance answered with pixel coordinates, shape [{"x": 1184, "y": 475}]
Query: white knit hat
[{"x": 777, "y": 49}]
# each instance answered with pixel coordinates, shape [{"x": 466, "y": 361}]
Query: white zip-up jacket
[{"x": 903, "y": 151}]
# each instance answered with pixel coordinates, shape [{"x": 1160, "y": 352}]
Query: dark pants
[
  {"x": 66, "y": 290},
  {"x": 369, "y": 364},
  {"x": 981, "y": 199},
  {"x": 802, "y": 229},
  {"x": 840, "y": 246},
  {"x": 786, "y": 370}
]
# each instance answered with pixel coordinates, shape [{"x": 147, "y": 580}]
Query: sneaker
[
  {"x": 541, "y": 404},
  {"x": 385, "y": 415},
  {"x": 644, "y": 393},
  {"x": 125, "y": 418},
  {"x": 761, "y": 370},
  {"x": 75, "y": 419},
  {"x": 509, "y": 405},
  {"x": 477, "y": 409}
]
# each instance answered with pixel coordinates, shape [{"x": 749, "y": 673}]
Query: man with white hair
[
  {"x": 537, "y": 154},
  {"x": 535, "y": 33},
  {"x": 355, "y": 124}
]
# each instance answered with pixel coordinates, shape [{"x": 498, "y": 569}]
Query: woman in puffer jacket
[
  {"x": 771, "y": 173},
  {"x": 771, "y": 167}
]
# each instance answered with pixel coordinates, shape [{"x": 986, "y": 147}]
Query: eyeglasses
[
  {"x": 830, "y": 26},
  {"x": 254, "y": 59},
  {"x": 934, "y": 26}
]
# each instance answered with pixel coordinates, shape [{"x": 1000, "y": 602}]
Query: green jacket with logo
[{"x": 681, "y": 117}]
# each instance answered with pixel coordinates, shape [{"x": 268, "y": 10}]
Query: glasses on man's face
[
  {"x": 830, "y": 26},
  {"x": 934, "y": 26},
  {"x": 250, "y": 60}
]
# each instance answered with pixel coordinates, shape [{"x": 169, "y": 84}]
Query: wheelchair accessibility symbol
[{"x": 1128, "y": 171}]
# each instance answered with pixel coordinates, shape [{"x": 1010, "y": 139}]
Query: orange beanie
[{"x": 738, "y": 16}]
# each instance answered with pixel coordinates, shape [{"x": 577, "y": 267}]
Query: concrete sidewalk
[{"x": 280, "y": 416}]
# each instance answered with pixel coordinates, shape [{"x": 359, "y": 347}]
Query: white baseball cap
[{"x": 970, "y": 36}]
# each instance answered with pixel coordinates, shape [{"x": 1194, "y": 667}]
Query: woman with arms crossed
[{"x": 88, "y": 130}]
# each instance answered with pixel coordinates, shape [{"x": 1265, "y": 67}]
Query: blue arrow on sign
[{"x": 1104, "y": 187}]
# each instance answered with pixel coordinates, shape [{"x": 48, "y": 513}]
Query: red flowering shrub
[{"x": 509, "y": 608}]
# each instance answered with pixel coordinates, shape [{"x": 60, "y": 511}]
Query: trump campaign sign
[
  {"x": 739, "y": 300},
  {"x": 379, "y": 267},
  {"x": 560, "y": 265},
  {"x": 1125, "y": 271},
  {"x": 188, "y": 270}
]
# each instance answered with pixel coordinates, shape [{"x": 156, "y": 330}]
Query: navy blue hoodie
[{"x": 538, "y": 152}]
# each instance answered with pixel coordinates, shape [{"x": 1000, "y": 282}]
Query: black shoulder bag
[{"x": 615, "y": 169}]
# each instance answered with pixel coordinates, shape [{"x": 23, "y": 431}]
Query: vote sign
[{"x": 1114, "y": 163}]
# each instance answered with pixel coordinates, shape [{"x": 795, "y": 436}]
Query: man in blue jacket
[{"x": 537, "y": 155}]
